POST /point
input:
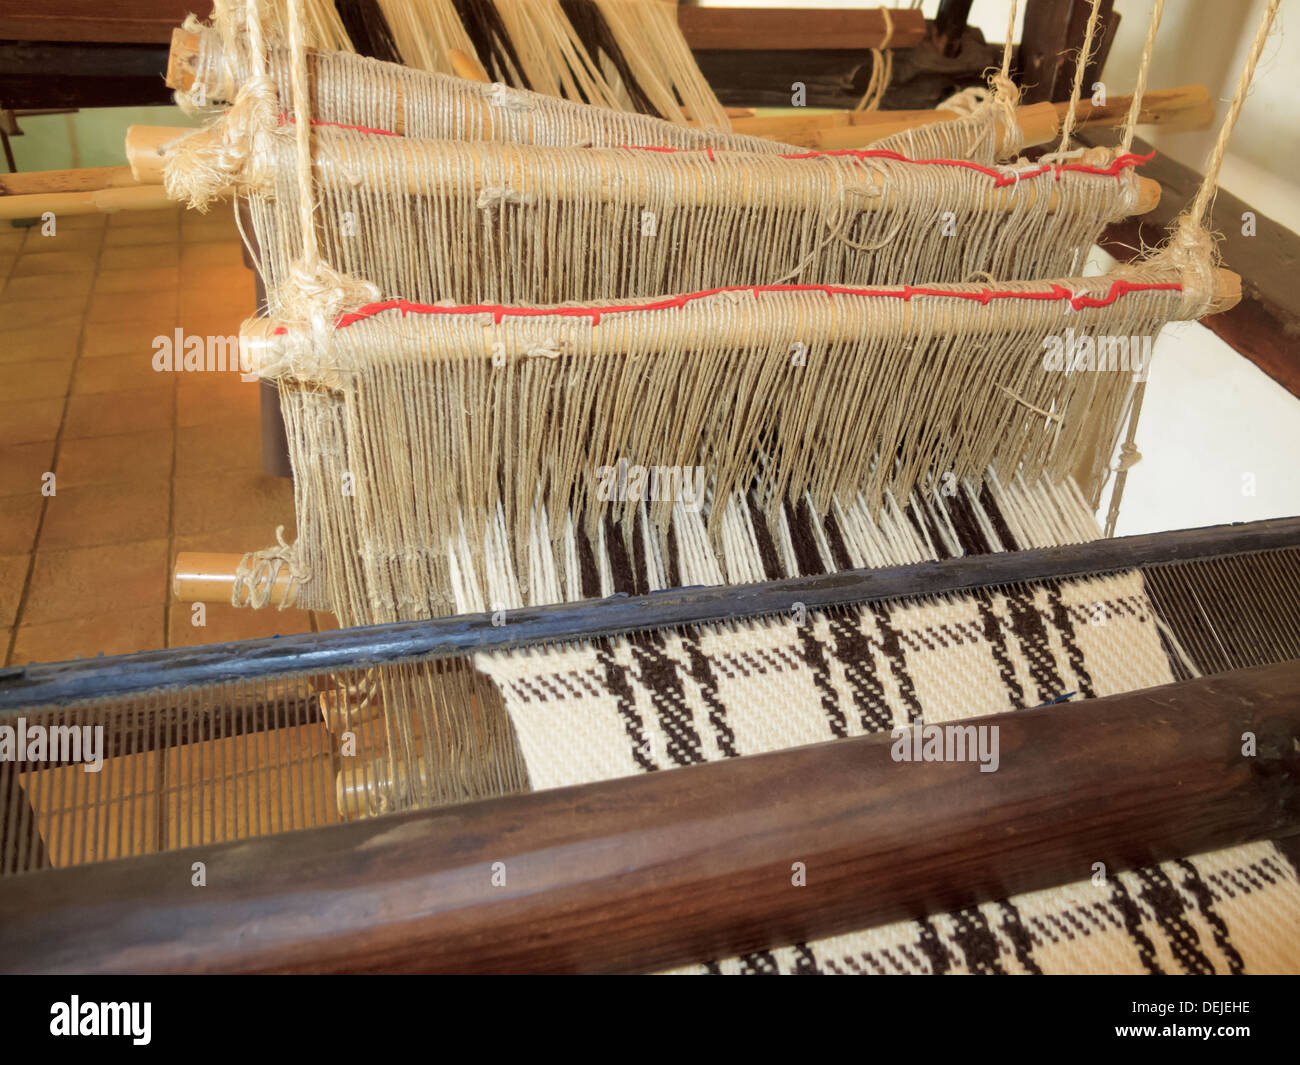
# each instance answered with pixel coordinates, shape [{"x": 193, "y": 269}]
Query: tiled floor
[{"x": 145, "y": 463}]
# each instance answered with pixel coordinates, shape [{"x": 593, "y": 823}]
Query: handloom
[{"x": 458, "y": 468}]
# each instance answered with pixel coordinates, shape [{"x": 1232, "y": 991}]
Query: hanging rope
[
  {"x": 1191, "y": 245},
  {"x": 1085, "y": 54},
  {"x": 1144, "y": 68},
  {"x": 882, "y": 68}
]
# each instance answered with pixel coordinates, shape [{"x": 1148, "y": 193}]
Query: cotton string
[
  {"x": 1144, "y": 68},
  {"x": 1191, "y": 240},
  {"x": 1067, "y": 127}
]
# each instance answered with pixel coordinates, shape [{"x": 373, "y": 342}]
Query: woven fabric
[{"x": 658, "y": 701}]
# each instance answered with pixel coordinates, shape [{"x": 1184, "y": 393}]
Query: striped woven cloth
[{"x": 657, "y": 701}]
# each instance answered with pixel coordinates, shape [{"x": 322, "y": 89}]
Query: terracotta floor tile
[
  {"x": 60, "y": 312},
  {"x": 236, "y": 297},
  {"x": 43, "y": 263},
  {"x": 62, "y": 239},
  {"x": 227, "y": 501},
  {"x": 143, "y": 257},
  {"x": 41, "y": 379},
  {"x": 119, "y": 374},
  {"x": 162, "y": 216},
  {"x": 214, "y": 226},
  {"x": 105, "y": 514},
  {"x": 55, "y": 341},
  {"x": 19, "y": 516},
  {"x": 7, "y": 261},
  {"x": 71, "y": 289},
  {"x": 130, "y": 411},
  {"x": 142, "y": 307},
  {"x": 129, "y": 236},
  {"x": 86, "y": 581},
  {"x": 13, "y": 575},
  {"x": 225, "y": 622},
  {"x": 83, "y": 221},
  {"x": 11, "y": 238},
  {"x": 219, "y": 447},
  {"x": 21, "y": 466},
  {"x": 118, "y": 632},
  {"x": 197, "y": 259},
  {"x": 97, "y": 460},
  {"x": 24, "y": 422},
  {"x": 127, "y": 338},
  {"x": 233, "y": 541},
  {"x": 159, "y": 279},
  {"x": 201, "y": 407}
]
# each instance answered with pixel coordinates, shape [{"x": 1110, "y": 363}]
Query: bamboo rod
[{"x": 145, "y": 148}]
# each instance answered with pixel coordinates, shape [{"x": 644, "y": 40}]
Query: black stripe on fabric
[
  {"x": 973, "y": 937},
  {"x": 1132, "y": 918},
  {"x": 1200, "y": 891},
  {"x": 804, "y": 962},
  {"x": 1159, "y": 892},
  {"x": 672, "y": 571},
  {"x": 640, "y": 565},
  {"x": 766, "y": 546},
  {"x": 892, "y": 645},
  {"x": 852, "y": 648},
  {"x": 701, "y": 670},
  {"x": 799, "y": 521},
  {"x": 619, "y": 563},
  {"x": 1022, "y": 942},
  {"x": 658, "y": 673},
  {"x": 1073, "y": 652},
  {"x": 812, "y": 652},
  {"x": 999, "y": 523},
  {"x": 962, "y": 517},
  {"x": 760, "y": 963},
  {"x": 997, "y": 640},
  {"x": 1031, "y": 634},
  {"x": 1289, "y": 848},
  {"x": 930, "y": 945},
  {"x": 588, "y": 572},
  {"x": 617, "y": 683},
  {"x": 835, "y": 540}
]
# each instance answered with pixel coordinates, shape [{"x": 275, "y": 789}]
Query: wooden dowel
[
  {"x": 84, "y": 179},
  {"x": 145, "y": 150},
  {"x": 205, "y": 577},
  {"x": 466, "y": 66},
  {"x": 1183, "y": 108},
  {"x": 97, "y": 201},
  {"x": 666, "y": 869},
  {"x": 258, "y": 339},
  {"x": 799, "y": 29}
]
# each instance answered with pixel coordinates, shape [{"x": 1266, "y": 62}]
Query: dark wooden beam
[
  {"x": 1050, "y": 42},
  {"x": 798, "y": 28},
  {"x": 1265, "y": 325},
  {"x": 65, "y": 75},
  {"x": 669, "y": 868},
  {"x": 122, "y": 21},
  {"x": 48, "y": 683}
]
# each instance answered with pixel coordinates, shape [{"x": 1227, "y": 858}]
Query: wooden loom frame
[{"x": 665, "y": 869}]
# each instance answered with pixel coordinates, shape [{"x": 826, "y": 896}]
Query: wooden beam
[
  {"x": 758, "y": 29},
  {"x": 665, "y": 869},
  {"x": 122, "y": 21},
  {"x": 1266, "y": 324}
]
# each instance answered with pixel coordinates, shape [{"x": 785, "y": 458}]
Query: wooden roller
[
  {"x": 90, "y": 190},
  {"x": 145, "y": 148},
  {"x": 205, "y": 577}
]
